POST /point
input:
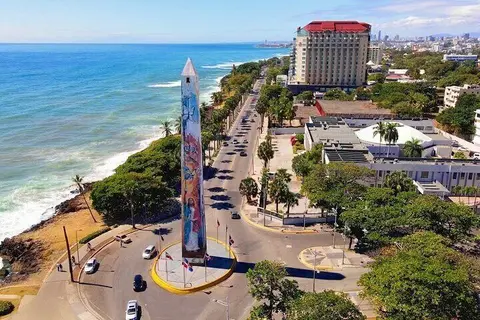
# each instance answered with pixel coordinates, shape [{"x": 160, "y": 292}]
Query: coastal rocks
[
  {"x": 75, "y": 204},
  {"x": 25, "y": 257}
]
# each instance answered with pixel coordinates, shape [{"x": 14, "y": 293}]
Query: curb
[
  {"x": 170, "y": 288},
  {"x": 309, "y": 265}
]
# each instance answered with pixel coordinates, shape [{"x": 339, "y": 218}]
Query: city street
[{"x": 108, "y": 290}]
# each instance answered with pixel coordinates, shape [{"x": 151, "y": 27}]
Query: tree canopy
[
  {"x": 424, "y": 280},
  {"x": 460, "y": 119}
]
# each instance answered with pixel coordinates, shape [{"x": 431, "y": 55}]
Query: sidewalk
[{"x": 57, "y": 297}]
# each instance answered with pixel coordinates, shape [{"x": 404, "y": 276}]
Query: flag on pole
[
  {"x": 230, "y": 240},
  {"x": 167, "y": 256},
  {"x": 218, "y": 223},
  {"x": 187, "y": 265},
  {"x": 207, "y": 257},
  {"x": 162, "y": 238}
]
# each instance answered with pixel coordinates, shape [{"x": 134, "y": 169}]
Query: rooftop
[
  {"x": 338, "y": 26},
  {"x": 405, "y": 133},
  {"x": 329, "y": 130},
  {"x": 347, "y": 109}
]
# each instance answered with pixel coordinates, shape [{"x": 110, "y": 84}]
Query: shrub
[
  {"x": 93, "y": 235},
  {"x": 6, "y": 307},
  {"x": 300, "y": 137}
]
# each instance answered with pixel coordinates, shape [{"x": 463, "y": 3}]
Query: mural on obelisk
[{"x": 194, "y": 244}]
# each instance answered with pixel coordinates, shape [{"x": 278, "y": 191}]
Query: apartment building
[
  {"x": 329, "y": 54},
  {"x": 454, "y": 92},
  {"x": 375, "y": 53},
  {"x": 460, "y": 57}
]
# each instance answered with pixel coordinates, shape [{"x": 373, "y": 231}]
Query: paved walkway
[
  {"x": 329, "y": 258},
  {"x": 57, "y": 297},
  {"x": 176, "y": 275}
]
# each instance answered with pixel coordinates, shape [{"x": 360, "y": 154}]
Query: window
[
  {"x": 462, "y": 175},
  {"x": 424, "y": 175},
  {"x": 380, "y": 173},
  {"x": 470, "y": 176},
  {"x": 454, "y": 175}
]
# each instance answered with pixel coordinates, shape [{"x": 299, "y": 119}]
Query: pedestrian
[
  {"x": 73, "y": 260},
  {"x": 89, "y": 246},
  {"x": 121, "y": 243},
  {"x": 60, "y": 267}
]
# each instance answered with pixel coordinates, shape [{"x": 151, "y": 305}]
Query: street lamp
[
  {"x": 335, "y": 225},
  {"x": 315, "y": 254},
  {"x": 225, "y": 304},
  {"x": 76, "y": 239}
]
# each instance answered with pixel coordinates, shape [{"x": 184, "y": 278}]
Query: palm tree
[
  {"x": 178, "y": 125},
  {"x": 283, "y": 175},
  {"x": 81, "y": 188},
  {"x": 290, "y": 200},
  {"x": 398, "y": 181},
  {"x": 278, "y": 191},
  {"x": 248, "y": 188},
  {"x": 413, "y": 148},
  {"x": 166, "y": 128},
  {"x": 391, "y": 135},
  {"x": 265, "y": 152},
  {"x": 380, "y": 130},
  {"x": 217, "y": 97}
]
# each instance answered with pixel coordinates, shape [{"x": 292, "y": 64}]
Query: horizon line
[{"x": 142, "y": 43}]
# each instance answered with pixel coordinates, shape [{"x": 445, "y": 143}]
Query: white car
[
  {"x": 91, "y": 266},
  {"x": 149, "y": 252},
  {"x": 132, "y": 310}
]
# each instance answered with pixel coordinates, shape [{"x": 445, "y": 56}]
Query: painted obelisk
[{"x": 194, "y": 241}]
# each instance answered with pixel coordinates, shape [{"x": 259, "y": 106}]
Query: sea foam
[{"x": 171, "y": 84}]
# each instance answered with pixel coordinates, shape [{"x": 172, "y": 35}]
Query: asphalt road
[{"x": 109, "y": 289}]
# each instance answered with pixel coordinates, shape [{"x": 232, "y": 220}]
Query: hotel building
[
  {"x": 329, "y": 54},
  {"x": 454, "y": 92}
]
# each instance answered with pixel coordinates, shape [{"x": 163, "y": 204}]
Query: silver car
[{"x": 132, "y": 310}]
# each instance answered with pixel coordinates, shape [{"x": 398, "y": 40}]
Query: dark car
[
  {"x": 138, "y": 283},
  {"x": 243, "y": 154},
  {"x": 225, "y": 144},
  {"x": 235, "y": 215}
]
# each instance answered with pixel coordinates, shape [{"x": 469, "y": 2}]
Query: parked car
[
  {"x": 124, "y": 238},
  {"x": 132, "y": 310},
  {"x": 149, "y": 252},
  {"x": 243, "y": 154},
  {"x": 91, "y": 266},
  {"x": 245, "y": 141},
  {"x": 235, "y": 215},
  {"x": 225, "y": 144},
  {"x": 235, "y": 141},
  {"x": 455, "y": 143},
  {"x": 252, "y": 120},
  {"x": 138, "y": 283}
]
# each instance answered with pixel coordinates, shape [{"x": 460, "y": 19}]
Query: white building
[
  {"x": 454, "y": 92},
  {"x": 476, "y": 138},
  {"x": 375, "y": 53},
  {"x": 351, "y": 140},
  {"x": 330, "y": 54},
  {"x": 460, "y": 57}
]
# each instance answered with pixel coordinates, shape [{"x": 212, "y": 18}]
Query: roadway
[{"x": 108, "y": 290}]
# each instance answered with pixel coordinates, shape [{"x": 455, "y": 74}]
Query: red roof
[{"x": 339, "y": 26}]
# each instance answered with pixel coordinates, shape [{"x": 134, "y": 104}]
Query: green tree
[
  {"x": 460, "y": 119},
  {"x": 398, "y": 181},
  {"x": 413, "y": 148},
  {"x": 301, "y": 166},
  {"x": 217, "y": 98},
  {"x": 336, "y": 185},
  {"x": 326, "y": 305},
  {"x": 267, "y": 283},
  {"x": 335, "y": 94},
  {"x": 430, "y": 282},
  {"x": 377, "y": 77},
  {"x": 178, "y": 125},
  {"x": 391, "y": 135},
  {"x": 248, "y": 188},
  {"x": 306, "y": 97},
  {"x": 265, "y": 152},
  {"x": 117, "y": 196},
  {"x": 380, "y": 130},
  {"x": 406, "y": 109},
  {"x": 166, "y": 128},
  {"x": 278, "y": 190},
  {"x": 459, "y": 155},
  {"x": 81, "y": 189},
  {"x": 290, "y": 199}
]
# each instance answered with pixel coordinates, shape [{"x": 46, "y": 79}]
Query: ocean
[{"x": 83, "y": 109}]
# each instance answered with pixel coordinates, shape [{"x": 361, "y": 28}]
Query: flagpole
[
  {"x": 166, "y": 265},
  {"x": 217, "y": 231},
  {"x": 205, "y": 268},
  {"x": 226, "y": 231},
  {"x": 184, "y": 283}
]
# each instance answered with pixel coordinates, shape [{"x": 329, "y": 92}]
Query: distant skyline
[{"x": 207, "y": 21}]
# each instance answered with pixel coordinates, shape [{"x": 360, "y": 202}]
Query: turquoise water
[{"x": 83, "y": 109}]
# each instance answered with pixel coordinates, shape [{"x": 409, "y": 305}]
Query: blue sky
[{"x": 189, "y": 21}]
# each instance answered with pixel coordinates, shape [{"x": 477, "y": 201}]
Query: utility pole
[
  {"x": 68, "y": 253},
  {"x": 315, "y": 253}
]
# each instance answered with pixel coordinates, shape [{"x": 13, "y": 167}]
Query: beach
[{"x": 83, "y": 109}]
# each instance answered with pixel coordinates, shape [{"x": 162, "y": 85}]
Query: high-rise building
[
  {"x": 397, "y": 37},
  {"x": 330, "y": 54},
  {"x": 375, "y": 53},
  {"x": 379, "y": 37}
]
